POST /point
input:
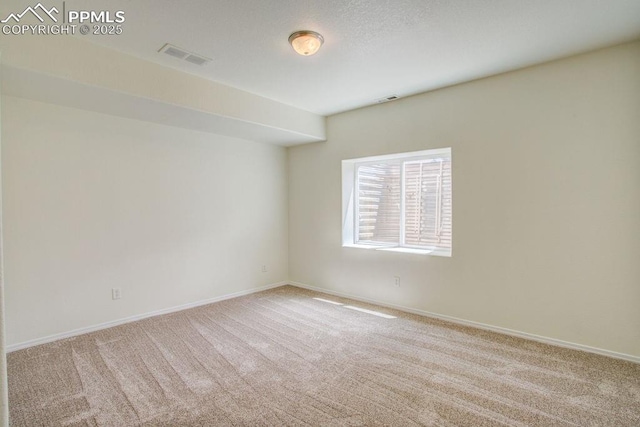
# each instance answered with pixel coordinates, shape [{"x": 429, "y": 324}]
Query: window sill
[{"x": 434, "y": 252}]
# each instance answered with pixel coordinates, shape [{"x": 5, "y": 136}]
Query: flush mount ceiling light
[{"x": 306, "y": 43}]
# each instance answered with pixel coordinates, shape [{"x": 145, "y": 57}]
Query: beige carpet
[{"x": 283, "y": 358}]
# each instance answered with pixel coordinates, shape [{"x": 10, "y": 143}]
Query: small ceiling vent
[
  {"x": 387, "y": 99},
  {"x": 195, "y": 59},
  {"x": 179, "y": 53}
]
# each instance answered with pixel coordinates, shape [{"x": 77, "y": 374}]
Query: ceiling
[{"x": 373, "y": 48}]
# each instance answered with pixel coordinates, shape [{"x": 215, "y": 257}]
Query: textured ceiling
[{"x": 373, "y": 48}]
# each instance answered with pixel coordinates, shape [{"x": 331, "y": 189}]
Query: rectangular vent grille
[
  {"x": 180, "y": 53},
  {"x": 198, "y": 60},
  {"x": 387, "y": 99}
]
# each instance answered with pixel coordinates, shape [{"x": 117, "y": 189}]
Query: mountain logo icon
[{"x": 38, "y": 11}]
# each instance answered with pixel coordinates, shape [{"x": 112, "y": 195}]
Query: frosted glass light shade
[{"x": 306, "y": 43}]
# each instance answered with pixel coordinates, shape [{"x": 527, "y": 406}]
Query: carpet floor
[{"x": 289, "y": 357}]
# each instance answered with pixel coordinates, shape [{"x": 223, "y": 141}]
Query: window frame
[{"x": 350, "y": 208}]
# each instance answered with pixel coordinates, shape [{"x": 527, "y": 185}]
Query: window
[{"x": 400, "y": 202}]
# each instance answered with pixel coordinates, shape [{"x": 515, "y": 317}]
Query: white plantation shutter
[
  {"x": 379, "y": 199},
  {"x": 427, "y": 203},
  {"x": 405, "y": 201}
]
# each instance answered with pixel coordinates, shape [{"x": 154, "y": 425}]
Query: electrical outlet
[
  {"x": 396, "y": 281},
  {"x": 264, "y": 268},
  {"x": 116, "y": 293}
]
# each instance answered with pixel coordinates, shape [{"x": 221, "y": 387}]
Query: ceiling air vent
[
  {"x": 387, "y": 99},
  {"x": 179, "y": 53},
  {"x": 195, "y": 59}
]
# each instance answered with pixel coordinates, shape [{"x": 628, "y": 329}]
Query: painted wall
[
  {"x": 4, "y": 401},
  {"x": 546, "y": 201},
  {"x": 94, "y": 202}
]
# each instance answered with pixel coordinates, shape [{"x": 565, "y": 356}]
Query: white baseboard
[
  {"x": 463, "y": 322},
  {"x": 533, "y": 337},
  {"x": 105, "y": 325}
]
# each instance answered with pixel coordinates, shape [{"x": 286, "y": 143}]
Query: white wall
[
  {"x": 4, "y": 401},
  {"x": 93, "y": 202},
  {"x": 546, "y": 201}
]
